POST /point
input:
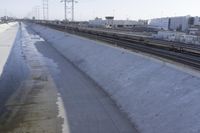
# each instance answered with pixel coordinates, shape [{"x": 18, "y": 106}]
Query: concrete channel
[
  {"x": 56, "y": 82},
  {"x": 157, "y": 95},
  {"x": 54, "y": 96}
]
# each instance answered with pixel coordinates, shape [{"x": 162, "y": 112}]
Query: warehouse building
[
  {"x": 159, "y": 23},
  {"x": 109, "y": 22},
  {"x": 181, "y": 23},
  {"x": 195, "y": 27},
  {"x": 97, "y": 22},
  {"x": 197, "y": 21}
]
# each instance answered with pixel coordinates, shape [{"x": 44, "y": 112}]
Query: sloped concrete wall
[
  {"x": 159, "y": 98},
  {"x": 4, "y": 27},
  {"x": 13, "y": 69},
  {"x": 8, "y": 34}
]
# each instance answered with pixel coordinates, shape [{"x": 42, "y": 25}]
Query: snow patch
[
  {"x": 62, "y": 114},
  {"x": 4, "y": 27}
]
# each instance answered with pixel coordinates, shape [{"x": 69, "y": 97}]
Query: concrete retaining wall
[
  {"x": 4, "y": 27},
  {"x": 13, "y": 69},
  {"x": 159, "y": 98}
]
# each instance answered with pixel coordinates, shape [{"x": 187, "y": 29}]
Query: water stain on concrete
[{"x": 32, "y": 108}]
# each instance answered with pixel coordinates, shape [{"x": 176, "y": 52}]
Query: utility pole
[
  {"x": 73, "y": 4},
  {"x": 65, "y": 9},
  {"x": 72, "y": 7},
  {"x": 37, "y": 12},
  {"x": 72, "y": 10},
  {"x": 45, "y": 4}
]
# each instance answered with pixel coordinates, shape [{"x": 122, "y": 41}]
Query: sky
[{"x": 89, "y": 9}]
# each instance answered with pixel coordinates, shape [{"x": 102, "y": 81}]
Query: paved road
[{"x": 88, "y": 108}]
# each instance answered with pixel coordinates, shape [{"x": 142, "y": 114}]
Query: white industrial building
[
  {"x": 97, "y": 22},
  {"x": 110, "y": 22},
  {"x": 195, "y": 27},
  {"x": 197, "y": 21},
  {"x": 171, "y": 23},
  {"x": 179, "y": 23},
  {"x": 176, "y": 29},
  {"x": 177, "y": 37},
  {"x": 159, "y": 23}
]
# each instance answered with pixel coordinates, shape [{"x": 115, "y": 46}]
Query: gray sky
[{"x": 121, "y": 9}]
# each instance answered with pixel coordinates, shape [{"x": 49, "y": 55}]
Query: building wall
[
  {"x": 124, "y": 23},
  {"x": 197, "y": 21},
  {"x": 160, "y": 23},
  {"x": 179, "y": 23},
  {"x": 174, "y": 23},
  {"x": 98, "y": 22},
  {"x": 177, "y": 37}
]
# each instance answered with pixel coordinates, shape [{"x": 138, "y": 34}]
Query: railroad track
[{"x": 191, "y": 59}]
